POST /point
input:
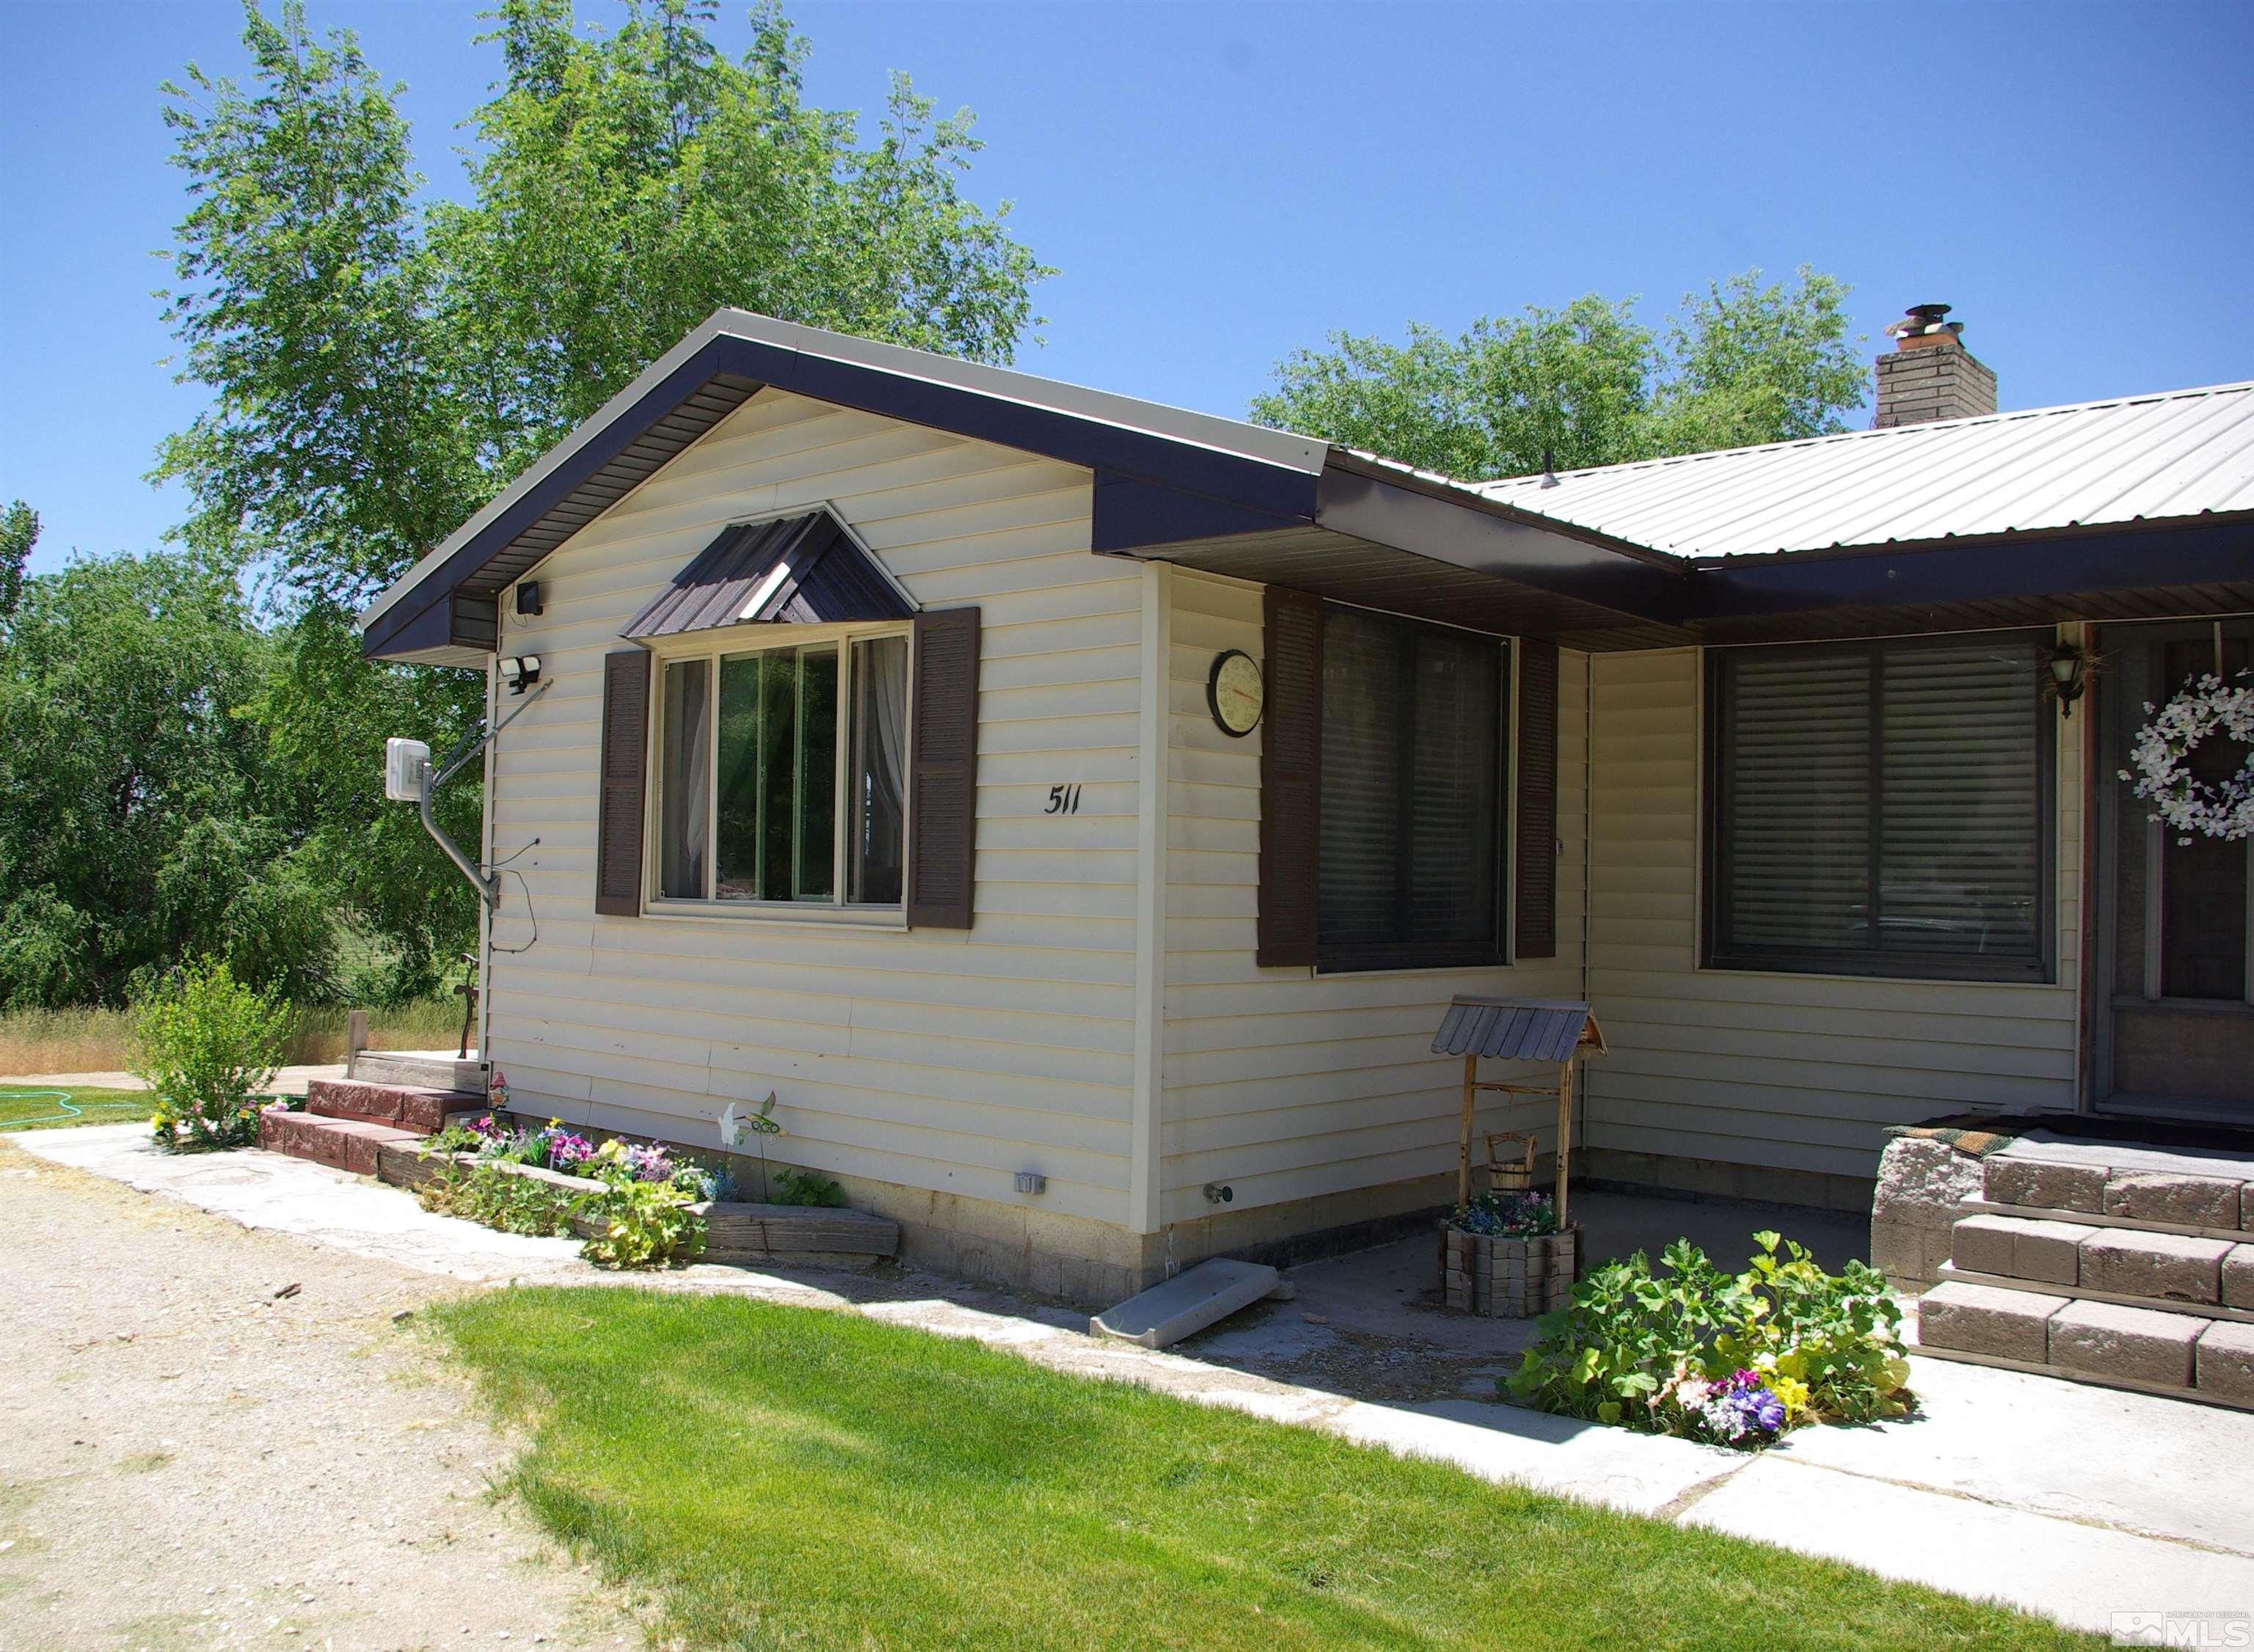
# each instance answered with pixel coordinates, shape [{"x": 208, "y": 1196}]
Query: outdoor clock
[{"x": 1234, "y": 691}]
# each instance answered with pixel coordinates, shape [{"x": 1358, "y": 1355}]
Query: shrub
[
  {"x": 645, "y": 1224},
  {"x": 808, "y": 1188},
  {"x": 1687, "y": 1349},
  {"x": 208, "y": 1045}
]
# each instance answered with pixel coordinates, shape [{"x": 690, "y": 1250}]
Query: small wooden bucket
[{"x": 1512, "y": 1175}]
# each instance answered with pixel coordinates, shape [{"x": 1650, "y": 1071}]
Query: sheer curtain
[
  {"x": 685, "y": 779},
  {"x": 880, "y": 677}
]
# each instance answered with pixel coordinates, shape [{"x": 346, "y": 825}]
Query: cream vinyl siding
[
  {"x": 937, "y": 1059},
  {"x": 1283, "y": 1083},
  {"x": 1799, "y": 1072}
]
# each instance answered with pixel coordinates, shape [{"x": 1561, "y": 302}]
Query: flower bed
[
  {"x": 636, "y": 1204},
  {"x": 1732, "y": 1359},
  {"x": 1502, "y": 1256}
]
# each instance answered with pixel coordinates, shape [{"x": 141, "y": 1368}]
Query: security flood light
[{"x": 519, "y": 672}]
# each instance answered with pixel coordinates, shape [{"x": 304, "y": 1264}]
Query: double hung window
[
  {"x": 1881, "y": 808},
  {"x": 782, "y": 773},
  {"x": 1413, "y": 737}
]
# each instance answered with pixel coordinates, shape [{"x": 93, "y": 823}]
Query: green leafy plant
[
  {"x": 1833, "y": 1340},
  {"x": 807, "y": 1187},
  {"x": 500, "y": 1199},
  {"x": 1628, "y": 1332},
  {"x": 208, "y": 1045},
  {"x": 645, "y": 1224},
  {"x": 1688, "y": 1349}
]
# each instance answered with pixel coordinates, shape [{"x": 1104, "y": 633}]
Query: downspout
[
  {"x": 486, "y": 910},
  {"x": 1146, "y": 1164},
  {"x": 1588, "y": 862}
]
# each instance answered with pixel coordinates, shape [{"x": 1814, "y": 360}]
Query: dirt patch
[{"x": 196, "y": 1456}]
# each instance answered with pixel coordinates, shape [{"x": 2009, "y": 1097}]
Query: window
[
  {"x": 1880, "y": 808},
  {"x": 781, "y": 774},
  {"x": 1411, "y": 790}
]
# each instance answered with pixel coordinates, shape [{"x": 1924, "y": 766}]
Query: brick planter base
[{"x": 1507, "y": 1279}]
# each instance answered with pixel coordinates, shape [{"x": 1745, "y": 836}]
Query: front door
[{"x": 2178, "y": 1036}]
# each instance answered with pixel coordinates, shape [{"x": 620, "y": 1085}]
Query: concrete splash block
[{"x": 1186, "y": 1303}]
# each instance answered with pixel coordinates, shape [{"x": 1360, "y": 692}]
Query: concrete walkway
[
  {"x": 289, "y": 1081},
  {"x": 2076, "y": 1503}
]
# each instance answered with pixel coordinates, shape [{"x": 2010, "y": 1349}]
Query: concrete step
[
  {"x": 1186, "y": 1303},
  {"x": 2124, "y": 1264},
  {"x": 2206, "y": 1195},
  {"x": 345, "y": 1144},
  {"x": 2111, "y": 1344},
  {"x": 2099, "y": 1219},
  {"x": 420, "y": 1069},
  {"x": 1951, "y": 1272},
  {"x": 424, "y": 1111}
]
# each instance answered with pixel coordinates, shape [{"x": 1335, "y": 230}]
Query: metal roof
[
  {"x": 1512, "y": 1029},
  {"x": 804, "y": 569},
  {"x": 2183, "y": 454}
]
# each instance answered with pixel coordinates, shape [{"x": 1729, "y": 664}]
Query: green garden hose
[{"x": 61, "y": 1097}]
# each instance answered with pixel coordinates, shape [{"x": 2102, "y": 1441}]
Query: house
[{"x": 1078, "y": 812}]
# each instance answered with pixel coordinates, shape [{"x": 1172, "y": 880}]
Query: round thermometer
[{"x": 1234, "y": 691}]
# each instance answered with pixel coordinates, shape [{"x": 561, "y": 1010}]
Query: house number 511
[{"x": 1063, "y": 800}]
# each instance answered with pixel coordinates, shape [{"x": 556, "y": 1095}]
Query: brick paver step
[
  {"x": 344, "y": 1144},
  {"x": 2125, "y": 1262},
  {"x": 2140, "y": 1345},
  {"x": 1979, "y": 1319},
  {"x": 2047, "y": 1252},
  {"x": 422, "y": 1110}
]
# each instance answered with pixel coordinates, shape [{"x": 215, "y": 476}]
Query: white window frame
[{"x": 735, "y": 641}]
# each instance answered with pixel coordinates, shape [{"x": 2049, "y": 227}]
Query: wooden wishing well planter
[{"x": 1490, "y": 1273}]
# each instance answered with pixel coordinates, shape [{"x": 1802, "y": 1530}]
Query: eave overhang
[{"x": 1263, "y": 505}]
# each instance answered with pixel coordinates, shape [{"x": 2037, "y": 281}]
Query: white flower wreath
[{"x": 2205, "y": 707}]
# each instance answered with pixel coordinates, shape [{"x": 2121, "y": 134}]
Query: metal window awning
[{"x": 803, "y": 569}]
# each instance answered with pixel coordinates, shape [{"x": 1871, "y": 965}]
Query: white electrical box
[{"x": 405, "y": 763}]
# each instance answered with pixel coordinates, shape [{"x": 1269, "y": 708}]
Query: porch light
[
  {"x": 2067, "y": 663},
  {"x": 520, "y": 672}
]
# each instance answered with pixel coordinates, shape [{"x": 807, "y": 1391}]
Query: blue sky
[{"x": 1219, "y": 184}]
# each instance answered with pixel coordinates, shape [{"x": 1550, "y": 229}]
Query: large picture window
[
  {"x": 782, "y": 775},
  {"x": 1412, "y": 794},
  {"x": 1880, "y": 808}
]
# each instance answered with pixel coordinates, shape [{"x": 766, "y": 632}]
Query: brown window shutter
[
  {"x": 943, "y": 770},
  {"x": 1536, "y": 838},
  {"x": 1291, "y": 779},
  {"x": 625, "y": 783}
]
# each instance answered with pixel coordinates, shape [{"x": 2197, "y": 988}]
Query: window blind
[{"x": 1881, "y": 807}]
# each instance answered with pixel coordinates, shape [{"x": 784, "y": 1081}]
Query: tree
[
  {"x": 19, "y": 531},
  {"x": 379, "y": 367},
  {"x": 1586, "y": 385},
  {"x": 136, "y": 825}
]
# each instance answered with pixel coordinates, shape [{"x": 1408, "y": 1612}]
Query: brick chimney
[{"x": 1930, "y": 375}]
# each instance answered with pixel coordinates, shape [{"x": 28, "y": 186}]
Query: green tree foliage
[
  {"x": 1588, "y": 384},
  {"x": 380, "y": 366},
  {"x": 137, "y": 820},
  {"x": 19, "y": 531}
]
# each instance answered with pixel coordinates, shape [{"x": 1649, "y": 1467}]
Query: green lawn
[
  {"x": 790, "y": 1476},
  {"x": 27, "y": 1107}
]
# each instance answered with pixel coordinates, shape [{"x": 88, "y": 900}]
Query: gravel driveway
[{"x": 218, "y": 1438}]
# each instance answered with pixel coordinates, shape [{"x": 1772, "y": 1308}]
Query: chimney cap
[{"x": 1922, "y": 322}]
